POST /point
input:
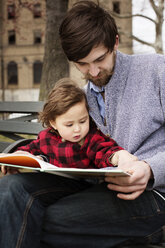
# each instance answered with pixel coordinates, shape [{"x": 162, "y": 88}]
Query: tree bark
[{"x": 55, "y": 65}]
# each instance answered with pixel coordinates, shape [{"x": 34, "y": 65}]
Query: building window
[
  {"x": 37, "y": 71},
  {"x": 116, "y": 7},
  {"x": 11, "y": 11},
  {"x": 120, "y": 36},
  {"x": 37, "y": 10},
  {"x": 37, "y": 37},
  {"x": 11, "y": 37},
  {"x": 12, "y": 73}
]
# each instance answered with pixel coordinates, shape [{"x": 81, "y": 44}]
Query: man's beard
[
  {"x": 102, "y": 80},
  {"x": 103, "y": 76}
]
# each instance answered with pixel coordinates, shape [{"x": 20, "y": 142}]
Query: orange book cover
[{"x": 18, "y": 159}]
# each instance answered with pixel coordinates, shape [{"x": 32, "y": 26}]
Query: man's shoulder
[
  {"x": 142, "y": 57},
  {"x": 152, "y": 58}
]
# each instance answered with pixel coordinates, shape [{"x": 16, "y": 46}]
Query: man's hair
[
  {"x": 65, "y": 94},
  {"x": 86, "y": 26}
]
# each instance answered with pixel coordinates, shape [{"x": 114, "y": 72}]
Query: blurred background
[{"x": 31, "y": 59}]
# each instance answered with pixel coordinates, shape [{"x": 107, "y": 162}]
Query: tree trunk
[{"x": 55, "y": 65}]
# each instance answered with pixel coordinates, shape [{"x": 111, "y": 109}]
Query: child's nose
[{"x": 77, "y": 128}]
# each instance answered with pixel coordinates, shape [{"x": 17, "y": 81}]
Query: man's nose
[{"x": 94, "y": 70}]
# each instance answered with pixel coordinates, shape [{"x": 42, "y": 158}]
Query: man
[
  {"x": 126, "y": 99},
  {"x": 130, "y": 108},
  {"x": 130, "y": 86}
]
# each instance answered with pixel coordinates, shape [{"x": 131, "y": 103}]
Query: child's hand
[
  {"x": 22, "y": 152},
  {"x": 28, "y": 153},
  {"x": 122, "y": 157},
  {"x": 125, "y": 157},
  {"x": 11, "y": 170}
]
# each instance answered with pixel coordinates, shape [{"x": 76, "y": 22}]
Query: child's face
[{"x": 74, "y": 124}]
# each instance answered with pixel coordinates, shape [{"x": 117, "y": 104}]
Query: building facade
[{"x": 22, "y": 37}]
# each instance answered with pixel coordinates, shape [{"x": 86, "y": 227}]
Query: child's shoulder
[{"x": 48, "y": 132}]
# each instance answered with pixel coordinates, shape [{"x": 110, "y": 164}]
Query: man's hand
[
  {"x": 132, "y": 186},
  {"x": 8, "y": 170}
]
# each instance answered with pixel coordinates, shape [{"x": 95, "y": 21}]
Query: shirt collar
[{"x": 95, "y": 88}]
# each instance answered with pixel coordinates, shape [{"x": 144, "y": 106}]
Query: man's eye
[
  {"x": 81, "y": 63},
  {"x": 100, "y": 59},
  {"x": 68, "y": 125}
]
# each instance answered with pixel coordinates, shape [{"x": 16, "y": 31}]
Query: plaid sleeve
[
  {"x": 34, "y": 146},
  {"x": 100, "y": 148}
]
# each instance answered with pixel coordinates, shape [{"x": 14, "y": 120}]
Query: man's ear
[
  {"x": 53, "y": 124},
  {"x": 116, "y": 43}
]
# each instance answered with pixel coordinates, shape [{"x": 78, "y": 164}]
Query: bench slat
[
  {"x": 21, "y": 107},
  {"x": 24, "y": 118},
  {"x": 20, "y": 127}
]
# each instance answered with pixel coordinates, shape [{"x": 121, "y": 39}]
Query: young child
[{"x": 71, "y": 139}]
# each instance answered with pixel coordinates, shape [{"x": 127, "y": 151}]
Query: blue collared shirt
[{"x": 96, "y": 91}]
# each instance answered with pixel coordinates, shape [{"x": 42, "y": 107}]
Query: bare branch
[
  {"x": 155, "y": 8},
  {"x": 130, "y": 16},
  {"x": 143, "y": 41},
  {"x": 158, "y": 9},
  {"x": 129, "y": 35}
]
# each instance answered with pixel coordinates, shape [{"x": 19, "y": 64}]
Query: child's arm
[
  {"x": 122, "y": 157},
  {"x": 11, "y": 170}
]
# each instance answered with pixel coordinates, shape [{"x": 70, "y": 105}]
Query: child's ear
[{"x": 53, "y": 124}]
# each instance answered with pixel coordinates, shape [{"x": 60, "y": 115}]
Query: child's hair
[{"x": 65, "y": 94}]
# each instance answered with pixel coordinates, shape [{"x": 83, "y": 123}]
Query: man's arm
[
  {"x": 154, "y": 166},
  {"x": 157, "y": 164}
]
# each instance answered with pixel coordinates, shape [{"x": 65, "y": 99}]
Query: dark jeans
[
  {"x": 93, "y": 217},
  {"x": 23, "y": 200}
]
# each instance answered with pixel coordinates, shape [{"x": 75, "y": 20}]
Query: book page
[{"x": 109, "y": 171}]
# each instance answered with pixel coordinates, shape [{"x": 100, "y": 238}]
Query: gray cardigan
[{"x": 135, "y": 109}]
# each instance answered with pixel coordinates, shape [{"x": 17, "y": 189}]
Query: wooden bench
[{"x": 17, "y": 118}]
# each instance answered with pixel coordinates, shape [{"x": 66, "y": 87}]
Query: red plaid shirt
[{"x": 94, "y": 153}]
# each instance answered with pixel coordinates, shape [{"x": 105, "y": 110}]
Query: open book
[{"x": 31, "y": 162}]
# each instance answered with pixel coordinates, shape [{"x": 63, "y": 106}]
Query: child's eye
[
  {"x": 68, "y": 125},
  {"x": 83, "y": 121}
]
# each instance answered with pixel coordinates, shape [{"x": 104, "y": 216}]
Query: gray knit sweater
[{"x": 135, "y": 109}]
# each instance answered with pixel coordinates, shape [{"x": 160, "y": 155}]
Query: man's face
[{"x": 98, "y": 65}]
